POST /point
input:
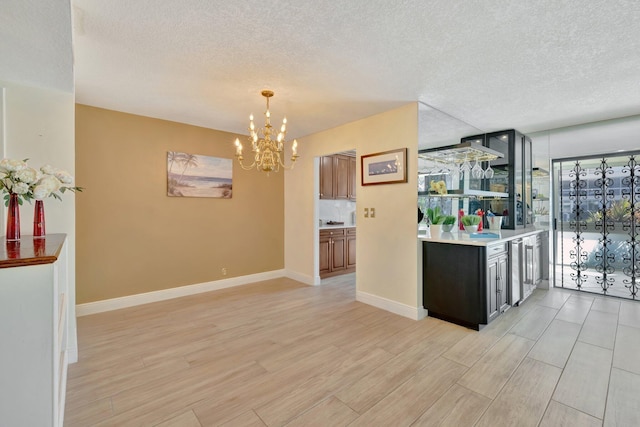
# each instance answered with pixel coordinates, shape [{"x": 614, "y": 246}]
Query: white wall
[
  {"x": 603, "y": 137},
  {"x": 39, "y": 125},
  {"x": 386, "y": 249},
  {"x": 2, "y": 156}
]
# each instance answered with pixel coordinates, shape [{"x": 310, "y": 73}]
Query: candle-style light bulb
[
  {"x": 251, "y": 117},
  {"x": 268, "y": 114},
  {"x": 294, "y": 147}
]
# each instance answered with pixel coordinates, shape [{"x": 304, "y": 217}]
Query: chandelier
[{"x": 267, "y": 153}]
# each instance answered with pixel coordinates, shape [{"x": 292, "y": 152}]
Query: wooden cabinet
[
  {"x": 337, "y": 251},
  {"x": 326, "y": 177},
  {"x": 338, "y": 177},
  {"x": 465, "y": 284},
  {"x": 35, "y": 313},
  {"x": 353, "y": 179},
  {"x": 497, "y": 280},
  {"x": 351, "y": 248},
  {"x": 341, "y": 177}
]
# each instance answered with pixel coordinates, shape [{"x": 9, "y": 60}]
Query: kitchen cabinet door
[
  {"x": 353, "y": 178},
  {"x": 492, "y": 289},
  {"x": 503, "y": 296},
  {"x": 351, "y": 248},
  {"x": 337, "y": 251},
  {"x": 338, "y": 255},
  {"x": 326, "y": 177},
  {"x": 341, "y": 177},
  {"x": 497, "y": 286},
  {"x": 324, "y": 255}
]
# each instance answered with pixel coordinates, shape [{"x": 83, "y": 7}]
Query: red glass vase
[
  {"x": 38, "y": 220},
  {"x": 13, "y": 218}
]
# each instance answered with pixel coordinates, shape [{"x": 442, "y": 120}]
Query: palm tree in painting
[
  {"x": 173, "y": 157},
  {"x": 189, "y": 160}
]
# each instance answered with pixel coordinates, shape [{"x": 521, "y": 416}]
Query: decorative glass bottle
[
  {"x": 38, "y": 220},
  {"x": 13, "y": 218}
]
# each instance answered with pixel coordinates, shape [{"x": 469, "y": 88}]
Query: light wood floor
[{"x": 282, "y": 353}]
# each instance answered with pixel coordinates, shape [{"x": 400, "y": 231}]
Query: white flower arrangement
[{"x": 16, "y": 177}]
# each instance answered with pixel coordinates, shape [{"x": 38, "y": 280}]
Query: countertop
[
  {"x": 457, "y": 237},
  {"x": 30, "y": 251},
  {"x": 328, "y": 227}
]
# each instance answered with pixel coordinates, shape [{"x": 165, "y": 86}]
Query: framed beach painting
[
  {"x": 194, "y": 175},
  {"x": 388, "y": 167}
]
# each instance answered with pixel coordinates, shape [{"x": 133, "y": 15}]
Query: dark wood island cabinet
[{"x": 469, "y": 281}]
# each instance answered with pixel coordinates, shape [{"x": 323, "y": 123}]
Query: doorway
[
  {"x": 335, "y": 206},
  {"x": 597, "y": 224}
]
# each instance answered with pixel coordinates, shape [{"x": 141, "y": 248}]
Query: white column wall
[
  {"x": 386, "y": 249},
  {"x": 39, "y": 125}
]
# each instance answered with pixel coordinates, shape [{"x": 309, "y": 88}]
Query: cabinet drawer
[
  {"x": 333, "y": 232},
  {"x": 496, "y": 249},
  {"x": 351, "y": 231}
]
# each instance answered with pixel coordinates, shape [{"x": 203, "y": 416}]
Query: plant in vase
[
  {"x": 448, "y": 222},
  {"x": 434, "y": 217},
  {"x": 470, "y": 222},
  {"x": 21, "y": 182},
  {"x": 439, "y": 222},
  {"x": 15, "y": 181}
]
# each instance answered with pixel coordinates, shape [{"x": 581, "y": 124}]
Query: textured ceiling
[
  {"x": 35, "y": 43},
  {"x": 491, "y": 64}
]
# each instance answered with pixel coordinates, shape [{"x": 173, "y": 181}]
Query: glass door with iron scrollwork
[{"x": 597, "y": 224}]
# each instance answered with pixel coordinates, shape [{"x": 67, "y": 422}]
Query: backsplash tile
[{"x": 338, "y": 210}]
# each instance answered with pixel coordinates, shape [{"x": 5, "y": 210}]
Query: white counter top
[
  {"x": 463, "y": 238},
  {"x": 329, "y": 227}
]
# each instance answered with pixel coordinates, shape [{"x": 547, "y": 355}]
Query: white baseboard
[
  {"x": 415, "y": 313},
  {"x": 165, "y": 294},
  {"x": 304, "y": 278},
  {"x": 72, "y": 355}
]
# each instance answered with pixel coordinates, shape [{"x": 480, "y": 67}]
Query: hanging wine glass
[
  {"x": 489, "y": 172},
  {"x": 455, "y": 174},
  {"x": 477, "y": 171},
  {"x": 466, "y": 166}
]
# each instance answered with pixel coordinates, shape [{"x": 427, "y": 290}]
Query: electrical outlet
[
  {"x": 373, "y": 213},
  {"x": 366, "y": 212},
  {"x": 224, "y": 271}
]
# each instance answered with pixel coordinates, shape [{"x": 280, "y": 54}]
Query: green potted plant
[
  {"x": 434, "y": 215},
  {"x": 436, "y": 220},
  {"x": 471, "y": 222},
  {"x": 448, "y": 222}
]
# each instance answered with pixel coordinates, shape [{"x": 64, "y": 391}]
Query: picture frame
[
  {"x": 196, "y": 175},
  {"x": 386, "y": 167}
]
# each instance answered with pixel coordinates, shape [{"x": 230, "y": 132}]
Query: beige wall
[
  {"x": 387, "y": 260},
  {"x": 133, "y": 238}
]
